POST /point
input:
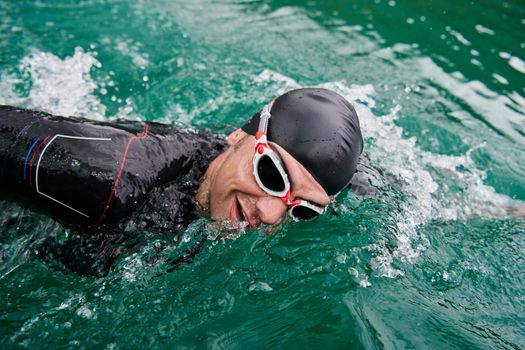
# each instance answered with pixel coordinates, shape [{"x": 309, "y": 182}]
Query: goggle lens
[
  {"x": 301, "y": 212},
  {"x": 269, "y": 174}
]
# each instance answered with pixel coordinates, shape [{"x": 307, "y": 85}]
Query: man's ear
[{"x": 235, "y": 136}]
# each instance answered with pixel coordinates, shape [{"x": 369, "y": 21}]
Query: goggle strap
[
  {"x": 259, "y": 135},
  {"x": 265, "y": 116}
]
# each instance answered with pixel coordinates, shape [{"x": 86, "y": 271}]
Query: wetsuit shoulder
[
  {"x": 119, "y": 181},
  {"x": 90, "y": 173},
  {"x": 367, "y": 180}
]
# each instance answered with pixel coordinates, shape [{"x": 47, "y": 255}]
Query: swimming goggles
[{"x": 271, "y": 176}]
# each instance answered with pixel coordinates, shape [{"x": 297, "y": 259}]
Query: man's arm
[{"x": 67, "y": 167}]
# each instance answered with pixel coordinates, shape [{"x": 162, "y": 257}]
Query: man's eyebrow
[{"x": 237, "y": 145}]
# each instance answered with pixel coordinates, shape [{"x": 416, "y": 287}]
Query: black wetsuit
[{"x": 104, "y": 180}]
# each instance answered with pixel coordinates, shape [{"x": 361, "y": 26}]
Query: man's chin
[
  {"x": 225, "y": 228},
  {"x": 237, "y": 226}
]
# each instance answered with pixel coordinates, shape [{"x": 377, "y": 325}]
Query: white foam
[
  {"x": 8, "y": 95},
  {"x": 58, "y": 86},
  {"x": 360, "y": 278},
  {"x": 87, "y": 312},
  {"x": 425, "y": 197}
]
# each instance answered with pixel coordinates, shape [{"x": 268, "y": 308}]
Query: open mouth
[
  {"x": 242, "y": 217},
  {"x": 239, "y": 215},
  {"x": 236, "y": 212}
]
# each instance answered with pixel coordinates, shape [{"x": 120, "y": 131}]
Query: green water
[{"x": 435, "y": 261}]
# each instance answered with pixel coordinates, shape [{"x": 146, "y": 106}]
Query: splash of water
[
  {"x": 58, "y": 86},
  {"x": 65, "y": 86},
  {"x": 409, "y": 169}
]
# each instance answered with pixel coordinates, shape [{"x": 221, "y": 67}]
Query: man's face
[{"x": 231, "y": 193}]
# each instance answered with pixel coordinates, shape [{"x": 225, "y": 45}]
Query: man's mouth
[{"x": 237, "y": 213}]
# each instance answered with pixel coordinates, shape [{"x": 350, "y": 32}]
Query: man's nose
[{"x": 270, "y": 209}]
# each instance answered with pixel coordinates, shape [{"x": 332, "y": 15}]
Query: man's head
[{"x": 316, "y": 134}]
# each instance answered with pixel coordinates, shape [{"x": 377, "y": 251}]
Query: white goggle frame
[{"x": 263, "y": 149}]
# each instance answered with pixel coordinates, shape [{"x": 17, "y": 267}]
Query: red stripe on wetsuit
[
  {"x": 139, "y": 136},
  {"x": 33, "y": 157}
]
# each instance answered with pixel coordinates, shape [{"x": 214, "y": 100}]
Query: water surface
[{"x": 435, "y": 260}]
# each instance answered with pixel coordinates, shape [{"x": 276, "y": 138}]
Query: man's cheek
[{"x": 245, "y": 169}]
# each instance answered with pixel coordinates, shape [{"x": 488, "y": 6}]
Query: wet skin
[{"x": 229, "y": 191}]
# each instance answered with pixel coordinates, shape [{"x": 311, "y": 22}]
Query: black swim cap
[{"x": 320, "y": 129}]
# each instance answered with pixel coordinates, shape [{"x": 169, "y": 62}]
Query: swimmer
[{"x": 108, "y": 180}]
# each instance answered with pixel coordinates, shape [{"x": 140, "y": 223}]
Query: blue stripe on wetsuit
[{"x": 28, "y": 154}]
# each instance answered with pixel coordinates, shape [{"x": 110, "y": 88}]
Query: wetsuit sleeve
[
  {"x": 110, "y": 182},
  {"x": 91, "y": 174},
  {"x": 367, "y": 181},
  {"x": 64, "y": 166}
]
